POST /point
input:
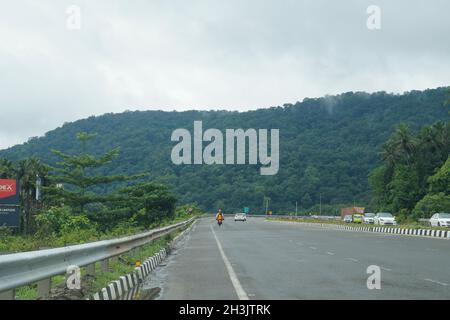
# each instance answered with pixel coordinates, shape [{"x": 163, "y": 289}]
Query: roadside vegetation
[
  {"x": 78, "y": 205},
  {"x": 413, "y": 179}
]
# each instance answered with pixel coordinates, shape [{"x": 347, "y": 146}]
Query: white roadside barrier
[{"x": 382, "y": 229}]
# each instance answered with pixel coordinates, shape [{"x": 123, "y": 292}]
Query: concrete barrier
[{"x": 443, "y": 234}]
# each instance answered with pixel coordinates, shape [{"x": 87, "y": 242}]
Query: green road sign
[{"x": 246, "y": 210}]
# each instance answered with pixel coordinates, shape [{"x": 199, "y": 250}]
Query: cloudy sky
[{"x": 210, "y": 54}]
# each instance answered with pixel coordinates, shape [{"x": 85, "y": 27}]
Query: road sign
[{"x": 246, "y": 210}]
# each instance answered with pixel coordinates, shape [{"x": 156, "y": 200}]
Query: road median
[{"x": 398, "y": 230}]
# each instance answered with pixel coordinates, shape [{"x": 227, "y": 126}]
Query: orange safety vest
[{"x": 219, "y": 217}]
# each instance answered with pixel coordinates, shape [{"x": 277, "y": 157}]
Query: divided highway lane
[{"x": 284, "y": 260}]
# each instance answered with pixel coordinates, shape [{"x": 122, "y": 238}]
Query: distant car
[
  {"x": 357, "y": 218},
  {"x": 348, "y": 218},
  {"x": 240, "y": 217},
  {"x": 440, "y": 220},
  {"x": 368, "y": 218},
  {"x": 384, "y": 218}
]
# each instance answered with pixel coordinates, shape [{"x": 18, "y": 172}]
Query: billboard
[
  {"x": 9, "y": 216},
  {"x": 9, "y": 203},
  {"x": 9, "y": 192}
]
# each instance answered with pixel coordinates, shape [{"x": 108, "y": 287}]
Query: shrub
[
  {"x": 431, "y": 204},
  {"x": 60, "y": 221}
]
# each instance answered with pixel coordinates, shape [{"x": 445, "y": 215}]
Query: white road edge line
[
  {"x": 234, "y": 279},
  {"x": 330, "y": 253},
  {"x": 434, "y": 281},
  {"x": 352, "y": 259}
]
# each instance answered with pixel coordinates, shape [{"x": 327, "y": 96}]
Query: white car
[
  {"x": 384, "y": 218},
  {"x": 368, "y": 218},
  {"x": 240, "y": 217},
  {"x": 348, "y": 218},
  {"x": 440, "y": 220}
]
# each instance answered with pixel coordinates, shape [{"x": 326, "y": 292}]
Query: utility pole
[
  {"x": 267, "y": 199},
  {"x": 320, "y": 203}
]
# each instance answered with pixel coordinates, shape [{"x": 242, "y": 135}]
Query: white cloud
[{"x": 207, "y": 54}]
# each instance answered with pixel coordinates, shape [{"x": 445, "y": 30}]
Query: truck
[{"x": 351, "y": 211}]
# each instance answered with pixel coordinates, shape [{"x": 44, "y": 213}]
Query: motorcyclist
[{"x": 219, "y": 217}]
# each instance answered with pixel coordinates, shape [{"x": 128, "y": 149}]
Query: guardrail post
[
  {"x": 8, "y": 295},
  {"x": 105, "y": 265},
  {"x": 43, "y": 288},
  {"x": 90, "y": 269}
]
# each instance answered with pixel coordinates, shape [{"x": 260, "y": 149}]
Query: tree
[
  {"x": 27, "y": 172},
  {"x": 413, "y": 168},
  {"x": 306, "y": 201},
  {"x": 440, "y": 182},
  {"x": 6, "y": 169},
  {"x": 378, "y": 181},
  {"x": 403, "y": 189},
  {"x": 74, "y": 179},
  {"x": 432, "y": 203},
  {"x": 151, "y": 202},
  {"x": 402, "y": 144}
]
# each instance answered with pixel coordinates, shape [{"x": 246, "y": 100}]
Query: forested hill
[{"x": 328, "y": 146}]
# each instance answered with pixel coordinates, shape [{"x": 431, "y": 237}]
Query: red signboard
[
  {"x": 9, "y": 203},
  {"x": 8, "y": 188}
]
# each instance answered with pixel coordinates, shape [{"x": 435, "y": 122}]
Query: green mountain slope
[{"x": 328, "y": 146}]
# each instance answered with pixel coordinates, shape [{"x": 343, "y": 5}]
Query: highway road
[{"x": 261, "y": 259}]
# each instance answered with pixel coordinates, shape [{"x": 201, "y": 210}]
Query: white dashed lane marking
[
  {"x": 242, "y": 295},
  {"x": 437, "y": 282}
]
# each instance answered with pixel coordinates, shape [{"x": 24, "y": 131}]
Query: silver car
[
  {"x": 348, "y": 218},
  {"x": 369, "y": 218},
  {"x": 240, "y": 217},
  {"x": 440, "y": 220},
  {"x": 384, "y": 218}
]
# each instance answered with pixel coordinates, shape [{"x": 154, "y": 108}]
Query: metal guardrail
[{"x": 24, "y": 268}]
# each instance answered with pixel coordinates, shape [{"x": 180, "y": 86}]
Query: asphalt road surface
[{"x": 261, "y": 259}]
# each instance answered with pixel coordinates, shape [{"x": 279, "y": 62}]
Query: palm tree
[
  {"x": 404, "y": 143},
  {"x": 389, "y": 154},
  {"x": 27, "y": 172},
  {"x": 6, "y": 169}
]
